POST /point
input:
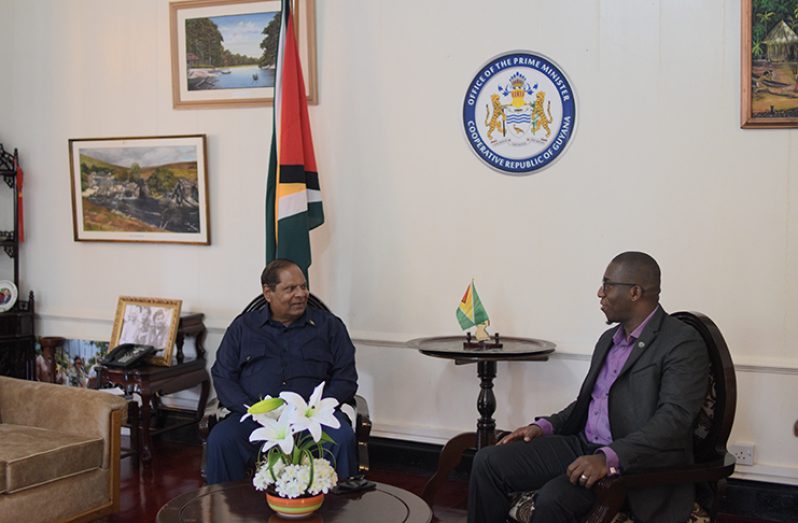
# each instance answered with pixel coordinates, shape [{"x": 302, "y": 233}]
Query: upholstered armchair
[
  {"x": 59, "y": 456},
  {"x": 713, "y": 463}
]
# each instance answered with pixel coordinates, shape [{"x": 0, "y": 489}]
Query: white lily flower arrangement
[{"x": 292, "y": 458}]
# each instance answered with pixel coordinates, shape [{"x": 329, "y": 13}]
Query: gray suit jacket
[{"x": 653, "y": 405}]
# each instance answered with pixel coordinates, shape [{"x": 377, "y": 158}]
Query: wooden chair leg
[{"x": 450, "y": 456}]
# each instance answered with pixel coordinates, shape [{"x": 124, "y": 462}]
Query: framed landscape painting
[
  {"x": 769, "y": 64},
  {"x": 224, "y": 52},
  {"x": 140, "y": 189}
]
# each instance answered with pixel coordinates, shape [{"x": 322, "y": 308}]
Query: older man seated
[{"x": 285, "y": 346}]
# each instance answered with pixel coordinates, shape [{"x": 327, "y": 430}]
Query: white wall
[{"x": 658, "y": 163}]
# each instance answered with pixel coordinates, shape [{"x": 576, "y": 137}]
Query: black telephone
[{"x": 128, "y": 355}]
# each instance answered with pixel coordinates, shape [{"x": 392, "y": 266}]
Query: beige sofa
[{"x": 59, "y": 452}]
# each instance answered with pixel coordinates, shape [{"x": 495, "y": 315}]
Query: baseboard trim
[{"x": 767, "y": 474}]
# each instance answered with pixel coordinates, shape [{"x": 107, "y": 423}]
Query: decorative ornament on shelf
[
  {"x": 291, "y": 465},
  {"x": 8, "y": 295},
  {"x": 471, "y": 313}
]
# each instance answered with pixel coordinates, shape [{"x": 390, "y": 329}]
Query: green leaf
[
  {"x": 310, "y": 464},
  {"x": 325, "y": 438},
  {"x": 272, "y": 458}
]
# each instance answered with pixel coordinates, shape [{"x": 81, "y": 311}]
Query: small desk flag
[{"x": 471, "y": 313}]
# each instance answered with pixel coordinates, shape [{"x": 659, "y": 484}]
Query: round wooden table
[
  {"x": 239, "y": 502},
  {"x": 451, "y": 348}
]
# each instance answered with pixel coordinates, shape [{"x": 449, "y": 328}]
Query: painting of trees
[
  {"x": 269, "y": 43},
  {"x": 225, "y": 51},
  {"x": 768, "y": 13},
  {"x": 204, "y": 40}
]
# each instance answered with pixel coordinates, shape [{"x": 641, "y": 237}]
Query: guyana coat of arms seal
[{"x": 519, "y": 113}]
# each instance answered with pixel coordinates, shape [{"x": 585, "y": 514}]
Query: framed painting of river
[
  {"x": 224, "y": 52},
  {"x": 769, "y": 64},
  {"x": 140, "y": 189}
]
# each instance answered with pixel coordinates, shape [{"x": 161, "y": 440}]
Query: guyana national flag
[
  {"x": 471, "y": 312},
  {"x": 293, "y": 198}
]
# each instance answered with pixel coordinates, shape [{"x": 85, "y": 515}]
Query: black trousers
[{"x": 521, "y": 466}]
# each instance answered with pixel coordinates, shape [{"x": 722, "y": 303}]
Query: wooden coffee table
[{"x": 239, "y": 502}]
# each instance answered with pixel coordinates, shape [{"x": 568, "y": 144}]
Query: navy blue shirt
[{"x": 259, "y": 356}]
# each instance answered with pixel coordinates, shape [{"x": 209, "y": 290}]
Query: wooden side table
[
  {"x": 133, "y": 423},
  {"x": 451, "y": 348},
  {"x": 151, "y": 382}
]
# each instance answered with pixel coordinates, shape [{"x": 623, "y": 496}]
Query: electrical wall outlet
[{"x": 743, "y": 452}]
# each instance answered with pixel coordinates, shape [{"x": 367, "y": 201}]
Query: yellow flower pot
[{"x": 294, "y": 508}]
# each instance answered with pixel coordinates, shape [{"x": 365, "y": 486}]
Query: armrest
[
  {"x": 71, "y": 410},
  {"x": 611, "y": 492},
  {"x": 363, "y": 417},
  {"x": 362, "y": 433},
  {"x": 699, "y": 472},
  {"x": 209, "y": 419}
]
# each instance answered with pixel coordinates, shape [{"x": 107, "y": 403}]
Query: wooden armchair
[
  {"x": 362, "y": 422},
  {"x": 713, "y": 463}
]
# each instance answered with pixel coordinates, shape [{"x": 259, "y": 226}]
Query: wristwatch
[{"x": 614, "y": 471}]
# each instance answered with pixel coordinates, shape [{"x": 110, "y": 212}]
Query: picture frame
[
  {"x": 140, "y": 189},
  {"x": 69, "y": 362},
  {"x": 147, "y": 321},
  {"x": 235, "y": 70},
  {"x": 769, "y": 64}
]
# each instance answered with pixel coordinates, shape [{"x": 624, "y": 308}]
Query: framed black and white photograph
[{"x": 147, "y": 321}]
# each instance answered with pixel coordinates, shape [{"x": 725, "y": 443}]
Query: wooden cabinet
[{"x": 17, "y": 338}]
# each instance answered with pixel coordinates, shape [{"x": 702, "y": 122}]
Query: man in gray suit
[{"x": 636, "y": 409}]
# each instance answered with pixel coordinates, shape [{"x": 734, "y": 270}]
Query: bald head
[
  {"x": 642, "y": 269},
  {"x": 629, "y": 291}
]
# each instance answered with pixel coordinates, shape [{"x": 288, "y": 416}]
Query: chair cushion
[
  {"x": 707, "y": 413},
  {"x": 523, "y": 508},
  {"x": 30, "y": 456}
]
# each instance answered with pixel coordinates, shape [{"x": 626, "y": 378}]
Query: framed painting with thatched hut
[{"x": 769, "y": 90}]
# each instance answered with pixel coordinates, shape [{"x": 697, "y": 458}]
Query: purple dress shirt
[{"x": 597, "y": 428}]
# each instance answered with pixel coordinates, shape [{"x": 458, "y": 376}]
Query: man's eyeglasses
[{"x": 606, "y": 284}]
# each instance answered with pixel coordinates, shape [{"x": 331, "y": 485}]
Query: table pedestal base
[{"x": 513, "y": 349}]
